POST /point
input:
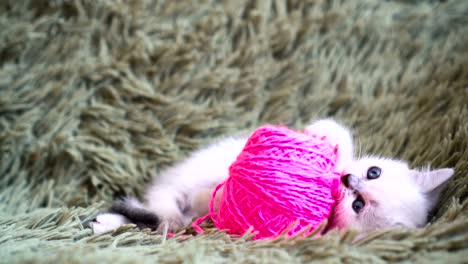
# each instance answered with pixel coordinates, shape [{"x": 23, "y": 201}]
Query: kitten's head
[{"x": 381, "y": 193}]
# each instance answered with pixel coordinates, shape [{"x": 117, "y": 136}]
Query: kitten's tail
[{"x": 136, "y": 213}]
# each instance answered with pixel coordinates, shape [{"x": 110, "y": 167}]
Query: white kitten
[{"x": 377, "y": 193}]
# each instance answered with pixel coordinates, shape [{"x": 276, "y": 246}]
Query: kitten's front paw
[
  {"x": 326, "y": 130},
  {"x": 106, "y": 222},
  {"x": 335, "y": 134}
]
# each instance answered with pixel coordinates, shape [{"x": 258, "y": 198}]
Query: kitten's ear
[{"x": 430, "y": 180}]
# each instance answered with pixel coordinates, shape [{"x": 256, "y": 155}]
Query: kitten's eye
[
  {"x": 373, "y": 173},
  {"x": 358, "y": 204}
]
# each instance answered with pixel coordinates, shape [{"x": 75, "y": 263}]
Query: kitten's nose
[
  {"x": 345, "y": 180},
  {"x": 352, "y": 182}
]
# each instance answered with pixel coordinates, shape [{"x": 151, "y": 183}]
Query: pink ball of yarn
[{"x": 280, "y": 177}]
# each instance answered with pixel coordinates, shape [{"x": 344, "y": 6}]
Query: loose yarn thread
[{"x": 280, "y": 178}]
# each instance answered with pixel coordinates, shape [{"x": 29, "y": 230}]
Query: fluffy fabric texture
[
  {"x": 97, "y": 95},
  {"x": 282, "y": 181}
]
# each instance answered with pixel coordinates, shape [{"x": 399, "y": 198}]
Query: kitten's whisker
[
  {"x": 359, "y": 154},
  {"x": 360, "y": 148}
]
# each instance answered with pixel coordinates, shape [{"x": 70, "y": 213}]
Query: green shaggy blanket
[{"x": 96, "y": 96}]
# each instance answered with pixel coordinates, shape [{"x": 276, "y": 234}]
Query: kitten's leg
[
  {"x": 136, "y": 213},
  {"x": 179, "y": 193},
  {"x": 126, "y": 211},
  {"x": 338, "y": 135}
]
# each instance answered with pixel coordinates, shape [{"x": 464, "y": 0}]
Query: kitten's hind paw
[{"x": 106, "y": 222}]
